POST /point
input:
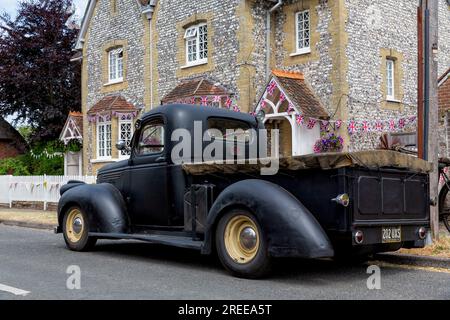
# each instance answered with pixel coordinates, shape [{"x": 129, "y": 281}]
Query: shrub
[{"x": 15, "y": 166}]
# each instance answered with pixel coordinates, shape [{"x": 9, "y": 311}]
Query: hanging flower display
[{"x": 329, "y": 143}]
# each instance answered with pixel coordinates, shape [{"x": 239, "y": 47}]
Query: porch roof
[
  {"x": 194, "y": 88},
  {"x": 112, "y": 103}
]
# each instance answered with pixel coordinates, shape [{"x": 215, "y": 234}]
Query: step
[{"x": 170, "y": 240}]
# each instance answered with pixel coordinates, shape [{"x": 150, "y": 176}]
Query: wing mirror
[{"x": 122, "y": 146}]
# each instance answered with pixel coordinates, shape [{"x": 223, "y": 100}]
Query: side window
[
  {"x": 151, "y": 139},
  {"x": 229, "y": 130}
]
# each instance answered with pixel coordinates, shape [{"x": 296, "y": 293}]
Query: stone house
[
  {"x": 359, "y": 58},
  {"x": 12, "y": 143}
]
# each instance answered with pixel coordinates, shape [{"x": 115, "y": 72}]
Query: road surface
[{"x": 34, "y": 264}]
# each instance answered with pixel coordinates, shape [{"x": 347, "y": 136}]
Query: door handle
[{"x": 160, "y": 159}]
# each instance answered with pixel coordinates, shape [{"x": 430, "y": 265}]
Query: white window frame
[
  {"x": 130, "y": 122},
  {"x": 304, "y": 49},
  {"x": 115, "y": 67},
  {"x": 390, "y": 79},
  {"x": 105, "y": 125},
  {"x": 193, "y": 34}
]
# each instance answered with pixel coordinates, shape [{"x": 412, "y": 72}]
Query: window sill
[
  {"x": 392, "y": 100},
  {"x": 104, "y": 160},
  {"x": 113, "y": 82},
  {"x": 194, "y": 64},
  {"x": 300, "y": 52}
]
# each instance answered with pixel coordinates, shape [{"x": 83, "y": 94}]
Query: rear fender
[
  {"x": 290, "y": 229},
  {"x": 103, "y": 204}
]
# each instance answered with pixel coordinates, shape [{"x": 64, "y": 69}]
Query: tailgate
[{"x": 389, "y": 196}]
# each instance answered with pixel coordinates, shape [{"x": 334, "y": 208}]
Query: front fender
[
  {"x": 103, "y": 204},
  {"x": 290, "y": 229}
]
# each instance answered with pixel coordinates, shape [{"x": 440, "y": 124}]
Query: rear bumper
[{"x": 373, "y": 234}]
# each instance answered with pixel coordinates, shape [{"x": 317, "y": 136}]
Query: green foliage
[
  {"x": 15, "y": 166},
  {"x": 41, "y": 164},
  {"x": 43, "y": 159},
  {"x": 73, "y": 146},
  {"x": 26, "y": 132}
]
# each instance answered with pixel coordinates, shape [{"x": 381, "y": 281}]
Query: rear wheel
[
  {"x": 444, "y": 206},
  {"x": 241, "y": 245},
  {"x": 76, "y": 230}
]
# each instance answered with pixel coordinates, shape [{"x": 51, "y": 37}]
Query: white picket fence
[{"x": 35, "y": 188}]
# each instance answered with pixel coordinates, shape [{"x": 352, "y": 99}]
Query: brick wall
[
  {"x": 444, "y": 95},
  {"x": 444, "y": 118},
  {"x": 7, "y": 150}
]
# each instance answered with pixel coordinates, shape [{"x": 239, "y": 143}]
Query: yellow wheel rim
[
  {"x": 241, "y": 239},
  {"x": 74, "y": 225}
]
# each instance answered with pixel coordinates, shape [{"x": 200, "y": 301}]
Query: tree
[{"x": 38, "y": 83}]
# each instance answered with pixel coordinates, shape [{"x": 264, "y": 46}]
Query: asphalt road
[{"x": 36, "y": 262}]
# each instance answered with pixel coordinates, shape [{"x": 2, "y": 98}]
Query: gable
[{"x": 146, "y": 5}]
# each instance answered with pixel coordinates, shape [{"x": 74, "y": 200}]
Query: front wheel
[
  {"x": 241, "y": 245},
  {"x": 76, "y": 230}
]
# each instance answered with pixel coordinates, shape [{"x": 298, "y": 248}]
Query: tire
[
  {"x": 77, "y": 237},
  {"x": 243, "y": 256},
  {"x": 443, "y": 214}
]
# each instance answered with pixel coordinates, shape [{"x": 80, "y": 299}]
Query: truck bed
[{"x": 374, "y": 159}]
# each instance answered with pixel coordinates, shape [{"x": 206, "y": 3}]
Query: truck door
[{"x": 148, "y": 201}]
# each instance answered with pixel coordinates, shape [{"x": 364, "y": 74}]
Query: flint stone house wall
[
  {"x": 105, "y": 27},
  {"x": 372, "y": 27},
  {"x": 127, "y": 25},
  {"x": 444, "y": 36},
  {"x": 223, "y": 47},
  {"x": 444, "y": 65}
]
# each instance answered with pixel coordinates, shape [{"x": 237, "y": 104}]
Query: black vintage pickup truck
[{"x": 315, "y": 206}]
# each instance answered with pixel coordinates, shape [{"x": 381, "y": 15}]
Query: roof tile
[
  {"x": 301, "y": 94},
  {"x": 194, "y": 88},
  {"x": 112, "y": 103}
]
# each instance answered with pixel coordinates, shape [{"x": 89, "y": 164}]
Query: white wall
[{"x": 304, "y": 139}]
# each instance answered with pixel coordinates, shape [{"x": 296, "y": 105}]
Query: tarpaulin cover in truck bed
[{"x": 368, "y": 159}]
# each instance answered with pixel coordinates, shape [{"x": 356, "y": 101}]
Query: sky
[{"x": 10, "y": 6}]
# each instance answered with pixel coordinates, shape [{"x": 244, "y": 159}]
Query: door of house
[{"x": 72, "y": 163}]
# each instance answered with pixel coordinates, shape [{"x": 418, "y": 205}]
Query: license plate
[{"x": 391, "y": 234}]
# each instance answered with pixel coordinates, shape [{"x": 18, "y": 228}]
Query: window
[
  {"x": 115, "y": 62},
  {"x": 390, "y": 81},
  {"x": 103, "y": 138},
  {"x": 125, "y": 134},
  {"x": 196, "y": 38},
  {"x": 229, "y": 130},
  {"x": 151, "y": 139},
  {"x": 303, "y": 32}
]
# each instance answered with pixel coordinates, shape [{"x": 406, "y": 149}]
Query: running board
[{"x": 175, "y": 241}]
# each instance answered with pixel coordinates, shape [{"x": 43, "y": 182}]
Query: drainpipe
[
  {"x": 268, "y": 27},
  {"x": 148, "y": 11},
  {"x": 426, "y": 108}
]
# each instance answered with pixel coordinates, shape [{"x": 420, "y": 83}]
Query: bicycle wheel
[{"x": 444, "y": 206}]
